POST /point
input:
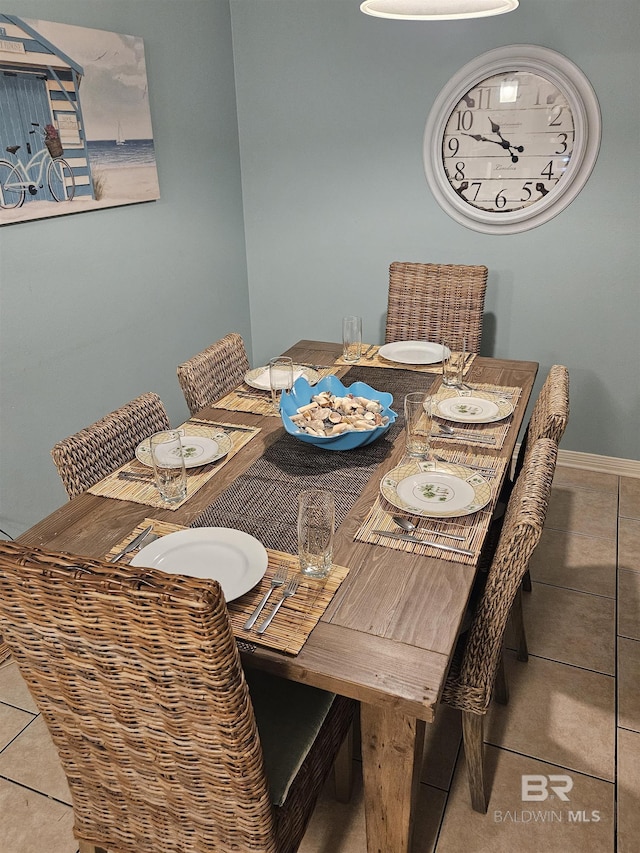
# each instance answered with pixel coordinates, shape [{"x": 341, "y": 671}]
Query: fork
[
  {"x": 279, "y": 579},
  {"x": 290, "y": 589}
]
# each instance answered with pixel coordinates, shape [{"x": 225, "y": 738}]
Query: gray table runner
[{"x": 264, "y": 500}]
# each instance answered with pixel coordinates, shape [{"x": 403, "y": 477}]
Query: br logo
[{"x": 536, "y": 788}]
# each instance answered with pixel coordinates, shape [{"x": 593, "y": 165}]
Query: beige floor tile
[
  {"x": 629, "y": 684},
  {"x": 31, "y": 822},
  {"x": 512, "y": 825},
  {"x": 340, "y": 827},
  {"x": 13, "y": 689},
  {"x": 570, "y": 626},
  {"x": 557, "y": 713},
  {"x": 567, "y": 476},
  {"x": 630, "y": 497},
  {"x": 32, "y": 760},
  {"x": 628, "y": 791},
  {"x": 442, "y": 741},
  {"x": 575, "y": 561},
  {"x": 629, "y": 544},
  {"x": 583, "y": 511},
  {"x": 12, "y": 722},
  {"x": 629, "y": 604}
]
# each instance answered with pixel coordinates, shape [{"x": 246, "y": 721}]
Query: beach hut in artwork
[{"x": 39, "y": 86}]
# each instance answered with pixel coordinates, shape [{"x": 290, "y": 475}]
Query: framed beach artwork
[{"x": 75, "y": 123}]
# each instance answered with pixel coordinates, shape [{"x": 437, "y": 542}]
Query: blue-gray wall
[
  {"x": 100, "y": 307},
  {"x": 331, "y": 107}
]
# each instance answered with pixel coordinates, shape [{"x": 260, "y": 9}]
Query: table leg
[{"x": 392, "y": 747}]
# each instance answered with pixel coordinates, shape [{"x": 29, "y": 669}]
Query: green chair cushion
[{"x": 289, "y": 716}]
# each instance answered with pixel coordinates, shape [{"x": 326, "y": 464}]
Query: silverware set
[
  {"x": 277, "y": 581},
  {"x": 486, "y": 470},
  {"x": 145, "y": 537}
]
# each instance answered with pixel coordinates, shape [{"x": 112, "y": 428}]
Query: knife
[
  {"x": 407, "y": 537},
  {"x": 466, "y": 436},
  {"x": 132, "y": 545}
]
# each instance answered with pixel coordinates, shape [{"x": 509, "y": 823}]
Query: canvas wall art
[{"x": 75, "y": 123}]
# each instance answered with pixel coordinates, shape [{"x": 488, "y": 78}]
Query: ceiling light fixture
[{"x": 436, "y": 10}]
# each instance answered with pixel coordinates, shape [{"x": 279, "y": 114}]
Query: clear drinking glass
[
  {"x": 316, "y": 517},
  {"x": 351, "y": 338},
  {"x": 418, "y": 420},
  {"x": 280, "y": 378},
  {"x": 168, "y": 465},
  {"x": 453, "y": 365}
]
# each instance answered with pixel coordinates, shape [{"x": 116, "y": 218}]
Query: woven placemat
[
  {"x": 473, "y": 527},
  {"x": 134, "y": 481},
  {"x": 375, "y": 360},
  {"x": 295, "y": 619},
  {"x": 244, "y": 398},
  {"x": 490, "y": 435}
]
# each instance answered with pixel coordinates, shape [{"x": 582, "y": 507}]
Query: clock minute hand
[
  {"x": 495, "y": 128},
  {"x": 479, "y": 138}
]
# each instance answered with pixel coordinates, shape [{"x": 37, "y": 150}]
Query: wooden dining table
[{"x": 388, "y": 635}]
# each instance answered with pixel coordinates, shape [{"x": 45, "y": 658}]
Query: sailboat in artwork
[{"x": 120, "y": 140}]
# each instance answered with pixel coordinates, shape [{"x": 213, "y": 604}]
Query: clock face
[
  {"x": 511, "y": 139},
  {"x": 508, "y": 141}
]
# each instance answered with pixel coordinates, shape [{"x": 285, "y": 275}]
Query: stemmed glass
[{"x": 280, "y": 378}]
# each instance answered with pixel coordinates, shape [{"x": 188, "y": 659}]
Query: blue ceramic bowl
[{"x": 302, "y": 393}]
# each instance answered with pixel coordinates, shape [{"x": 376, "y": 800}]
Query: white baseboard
[{"x": 593, "y": 462}]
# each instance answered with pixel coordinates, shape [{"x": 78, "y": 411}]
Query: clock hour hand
[
  {"x": 479, "y": 138},
  {"x": 495, "y": 128}
]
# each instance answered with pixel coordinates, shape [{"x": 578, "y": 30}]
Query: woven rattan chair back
[
  {"x": 214, "y": 372},
  {"x": 550, "y": 413},
  {"x": 88, "y": 456},
  {"x": 472, "y": 676},
  {"x": 138, "y": 678},
  {"x": 436, "y": 302}
]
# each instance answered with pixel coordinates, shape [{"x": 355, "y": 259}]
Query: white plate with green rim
[
  {"x": 473, "y": 410},
  {"x": 234, "y": 558},
  {"x": 435, "y": 489},
  {"x": 196, "y": 449},
  {"x": 412, "y": 352},
  {"x": 259, "y": 376}
]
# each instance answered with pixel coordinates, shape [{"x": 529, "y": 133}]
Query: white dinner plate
[
  {"x": 259, "y": 376},
  {"x": 412, "y": 352},
  {"x": 473, "y": 410},
  {"x": 435, "y": 489},
  {"x": 196, "y": 449},
  {"x": 235, "y": 559}
]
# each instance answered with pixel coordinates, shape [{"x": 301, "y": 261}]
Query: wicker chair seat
[{"x": 139, "y": 680}]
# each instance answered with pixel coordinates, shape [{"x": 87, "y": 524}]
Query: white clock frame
[{"x": 582, "y": 99}]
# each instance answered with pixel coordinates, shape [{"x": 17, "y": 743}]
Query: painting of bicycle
[{"x": 75, "y": 123}]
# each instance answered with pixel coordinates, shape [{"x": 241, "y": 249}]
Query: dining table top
[{"x": 388, "y": 634}]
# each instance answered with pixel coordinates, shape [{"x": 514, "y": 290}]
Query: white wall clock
[{"x": 511, "y": 139}]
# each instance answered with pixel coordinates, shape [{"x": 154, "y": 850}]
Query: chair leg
[
  {"x": 472, "y": 735},
  {"x": 526, "y": 581},
  {"x": 343, "y": 769},
  {"x": 517, "y": 619},
  {"x": 501, "y": 687}
]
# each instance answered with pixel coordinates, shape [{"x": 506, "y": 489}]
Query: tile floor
[{"x": 574, "y": 711}]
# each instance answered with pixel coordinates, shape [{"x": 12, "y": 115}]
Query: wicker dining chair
[
  {"x": 166, "y": 745},
  {"x": 90, "y": 455},
  {"x": 214, "y": 372},
  {"x": 436, "y": 302},
  {"x": 478, "y": 657}
]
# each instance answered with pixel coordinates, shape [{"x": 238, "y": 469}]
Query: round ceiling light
[{"x": 436, "y": 10}]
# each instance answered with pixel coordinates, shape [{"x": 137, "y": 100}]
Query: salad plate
[
  {"x": 413, "y": 352},
  {"x": 196, "y": 449},
  {"x": 234, "y": 558},
  {"x": 435, "y": 489},
  {"x": 259, "y": 376},
  {"x": 465, "y": 409}
]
